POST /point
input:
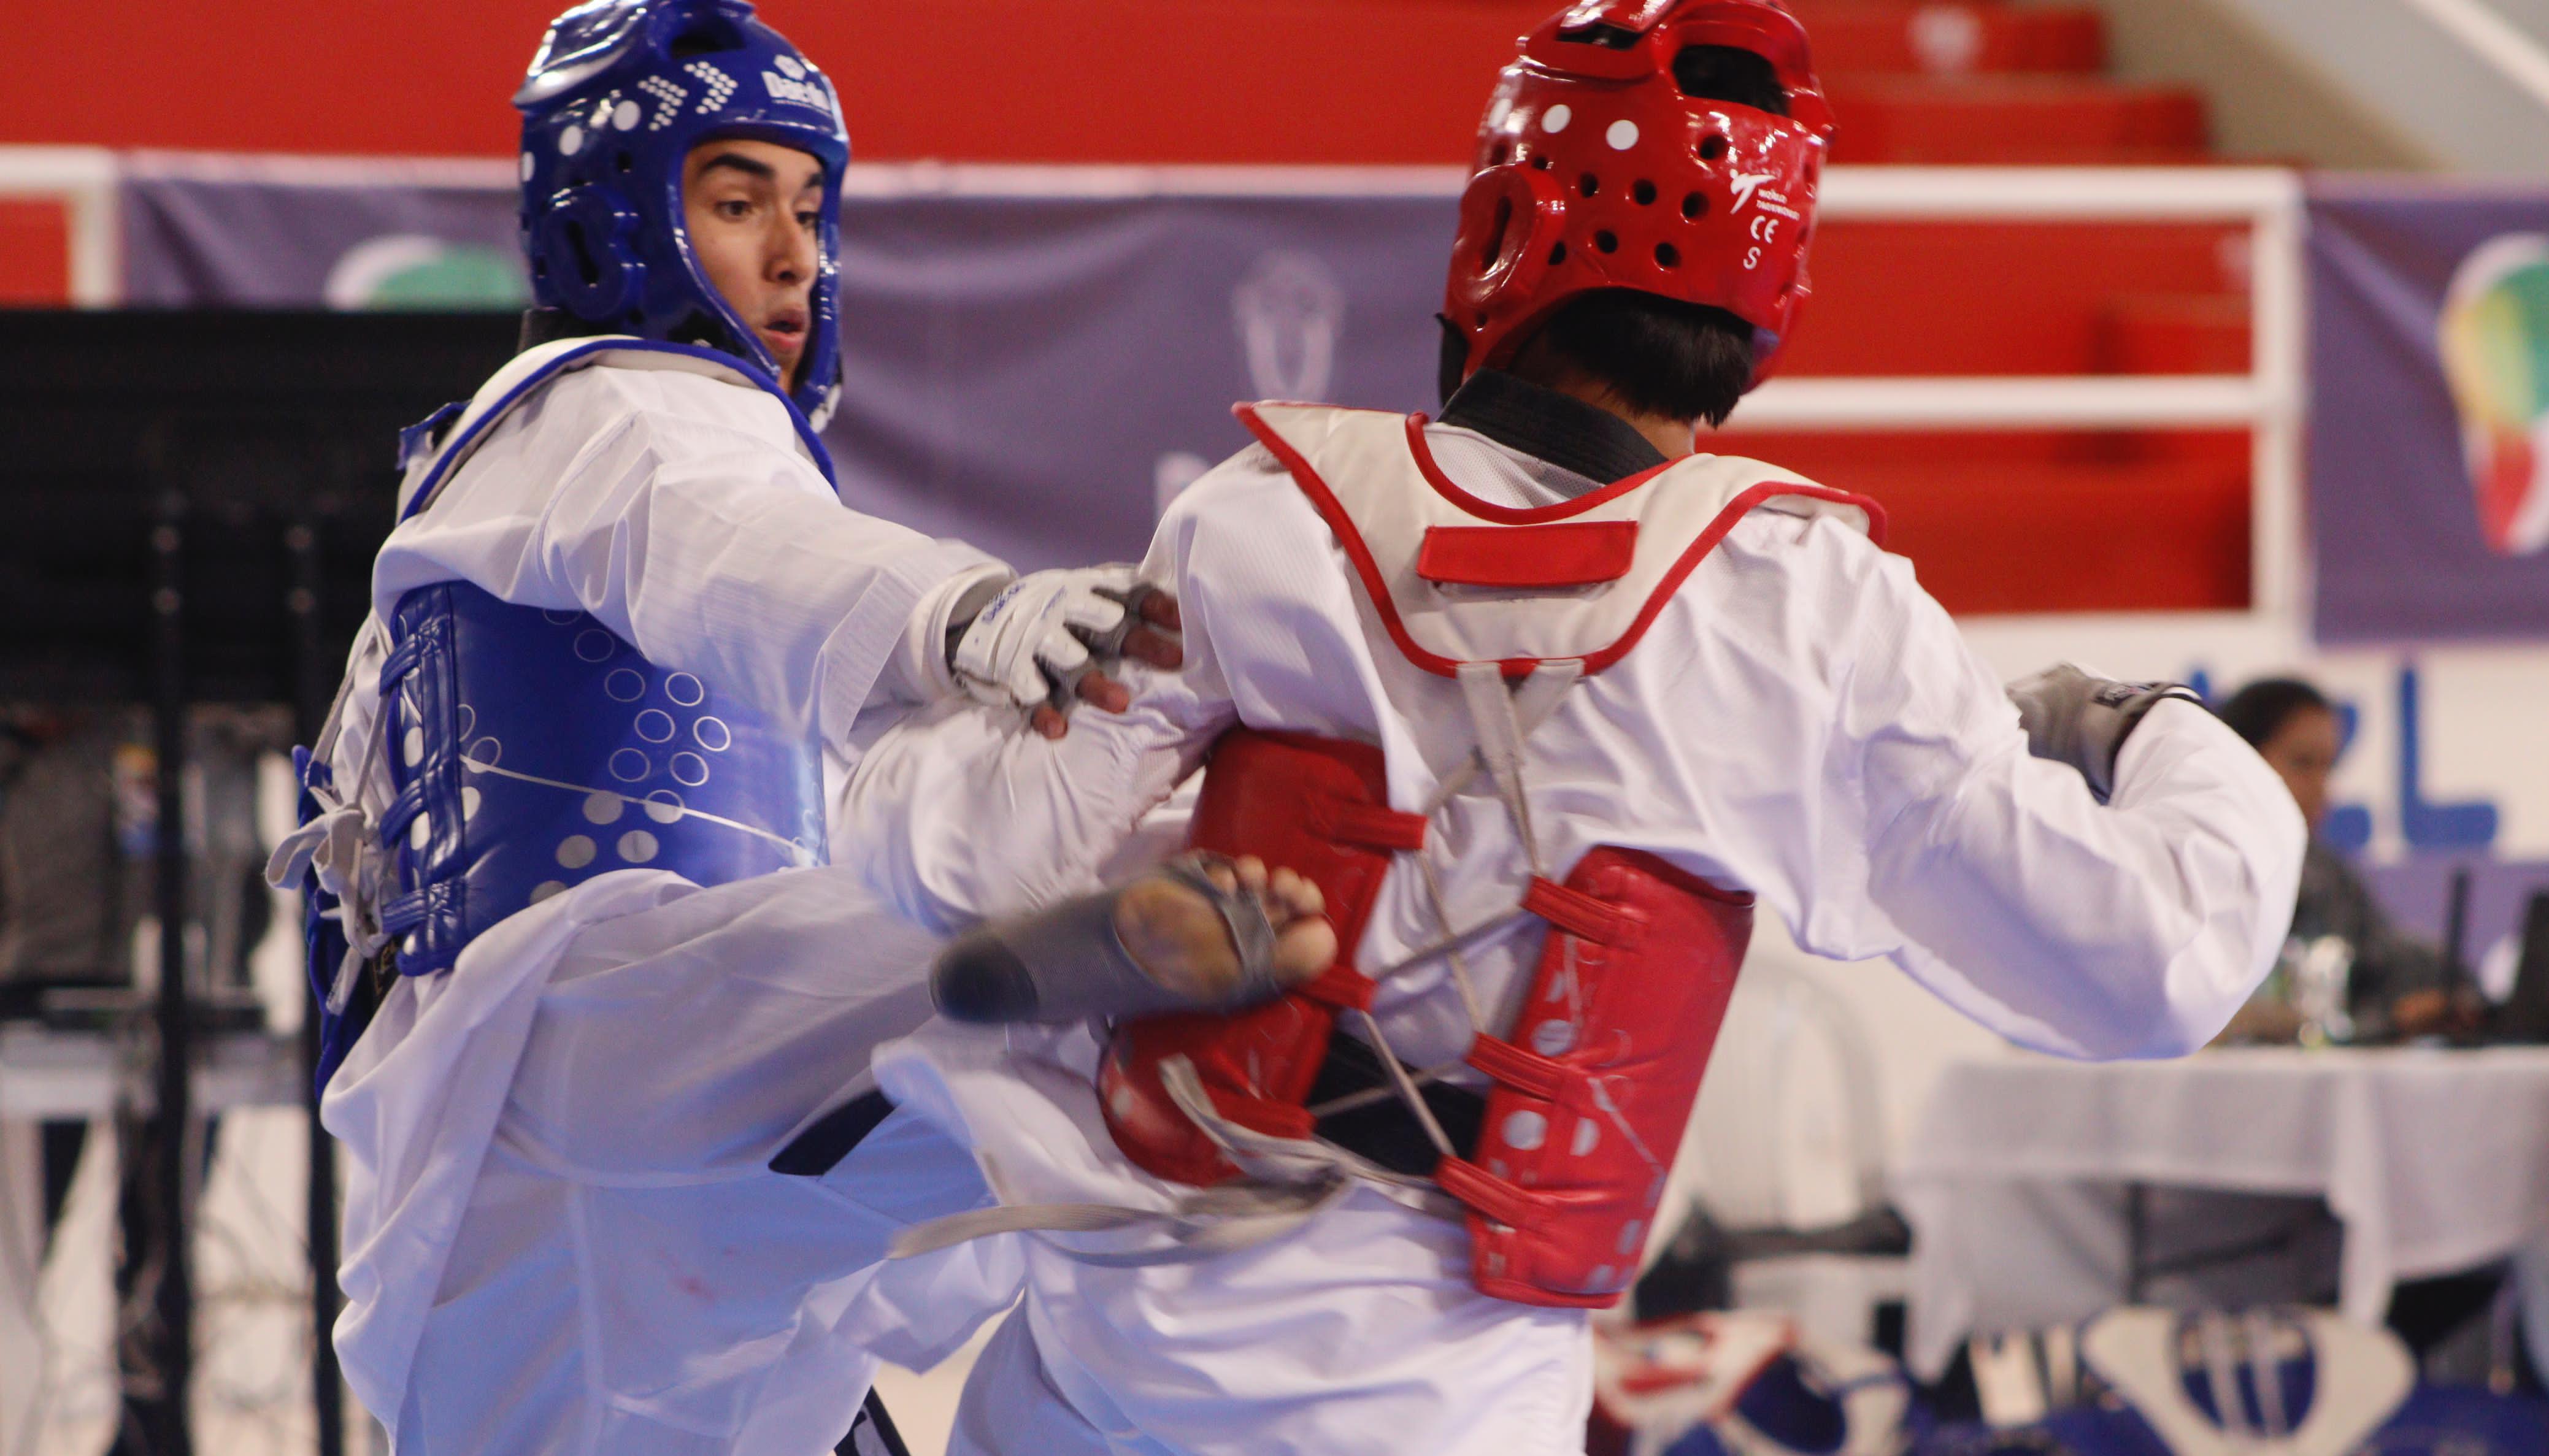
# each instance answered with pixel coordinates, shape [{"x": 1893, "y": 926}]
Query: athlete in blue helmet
[{"x": 627, "y": 645}]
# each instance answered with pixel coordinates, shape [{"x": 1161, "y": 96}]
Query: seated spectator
[{"x": 2395, "y": 988}]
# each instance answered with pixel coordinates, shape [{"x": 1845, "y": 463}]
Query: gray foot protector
[{"x": 1066, "y": 963}]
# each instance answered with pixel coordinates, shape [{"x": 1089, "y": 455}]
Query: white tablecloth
[{"x": 2433, "y": 1161}]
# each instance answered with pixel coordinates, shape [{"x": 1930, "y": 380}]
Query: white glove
[{"x": 1033, "y": 643}]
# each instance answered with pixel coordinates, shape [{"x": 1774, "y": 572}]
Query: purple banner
[
  {"x": 2429, "y": 411},
  {"x": 1035, "y": 375}
]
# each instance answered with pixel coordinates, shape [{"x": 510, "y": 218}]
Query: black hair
[
  {"x": 2259, "y": 712},
  {"x": 1655, "y": 355}
]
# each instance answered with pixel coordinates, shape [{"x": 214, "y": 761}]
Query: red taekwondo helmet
[{"x": 1595, "y": 171}]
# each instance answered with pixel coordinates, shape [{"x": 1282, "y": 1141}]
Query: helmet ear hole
[
  {"x": 1556, "y": 253},
  {"x": 1712, "y": 149},
  {"x": 1494, "y": 248},
  {"x": 1588, "y": 184},
  {"x": 585, "y": 266},
  {"x": 1607, "y": 240},
  {"x": 1644, "y": 194},
  {"x": 1667, "y": 255},
  {"x": 624, "y": 162},
  {"x": 1694, "y": 205}
]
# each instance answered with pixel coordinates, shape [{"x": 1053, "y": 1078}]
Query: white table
[
  {"x": 82, "y": 1076},
  {"x": 72, "y": 1076},
  {"x": 2432, "y": 1160}
]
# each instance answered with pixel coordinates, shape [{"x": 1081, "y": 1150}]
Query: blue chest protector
[{"x": 532, "y": 750}]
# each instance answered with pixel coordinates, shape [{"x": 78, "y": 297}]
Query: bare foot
[{"x": 1179, "y": 939}]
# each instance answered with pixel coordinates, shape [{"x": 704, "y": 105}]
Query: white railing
[
  {"x": 2267, "y": 399},
  {"x": 82, "y": 179}
]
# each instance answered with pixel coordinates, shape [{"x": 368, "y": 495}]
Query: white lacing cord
[
  {"x": 1504, "y": 721},
  {"x": 1292, "y": 1181},
  {"x": 340, "y": 842}
]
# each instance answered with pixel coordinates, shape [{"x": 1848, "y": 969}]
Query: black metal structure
[{"x": 192, "y": 502}]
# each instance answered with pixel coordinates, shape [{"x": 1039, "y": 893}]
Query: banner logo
[
  {"x": 2494, "y": 337},
  {"x": 1289, "y": 311}
]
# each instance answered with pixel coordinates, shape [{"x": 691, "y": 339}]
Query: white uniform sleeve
[
  {"x": 2129, "y": 929},
  {"x": 666, "y": 506}
]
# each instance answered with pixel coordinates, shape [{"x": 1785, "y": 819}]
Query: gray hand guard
[
  {"x": 1066, "y": 963},
  {"x": 1105, "y": 648},
  {"x": 2073, "y": 718}
]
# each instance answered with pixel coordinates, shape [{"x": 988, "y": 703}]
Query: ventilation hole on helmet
[
  {"x": 1494, "y": 247},
  {"x": 585, "y": 267},
  {"x": 1588, "y": 184},
  {"x": 539, "y": 267},
  {"x": 1607, "y": 240},
  {"x": 708, "y": 34},
  {"x": 1541, "y": 162},
  {"x": 1644, "y": 193},
  {"x": 1667, "y": 255},
  {"x": 1694, "y": 205},
  {"x": 1713, "y": 148},
  {"x": 1609, "y": 38},
  {"x": 1500, "y": 154},
  {"x": 625, "y": 163},
  {"x": 1483, "y": 321},
  {"x": 1557, "y": 255}
]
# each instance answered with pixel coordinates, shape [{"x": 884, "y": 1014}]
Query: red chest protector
[{"x": 1590, "y": 1091}]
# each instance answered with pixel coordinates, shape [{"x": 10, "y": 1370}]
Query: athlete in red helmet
[{"x": 1545, "y": 703}]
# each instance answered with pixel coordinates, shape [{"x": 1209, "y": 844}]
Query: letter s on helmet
[
  {"x": 1595, "y": 171},
  {"x": 616, "y": 97}
]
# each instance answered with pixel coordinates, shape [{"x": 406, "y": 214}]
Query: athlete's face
[
  {"x": 754, "y": 208},
  {"x": 2304, "y": 751}
]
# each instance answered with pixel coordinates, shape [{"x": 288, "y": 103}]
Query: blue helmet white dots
[{"x": 616, "y": 97}]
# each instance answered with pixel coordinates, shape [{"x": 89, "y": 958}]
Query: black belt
[
  {"x": 817, "y": 1149},
  {"x": 1385, "y": 1129}
]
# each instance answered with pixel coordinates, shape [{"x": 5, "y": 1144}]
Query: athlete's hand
[
  {"x": 1051, "y": 637},
  {"x": 2074, "y": 718}
]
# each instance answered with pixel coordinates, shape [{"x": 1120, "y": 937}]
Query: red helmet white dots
[{"x": 1595, "y": 171}]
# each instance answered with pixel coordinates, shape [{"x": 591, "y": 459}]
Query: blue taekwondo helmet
[{"x": 618, "y": 94}]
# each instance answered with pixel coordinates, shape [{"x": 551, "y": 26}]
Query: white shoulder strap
[
  {"x": 527, "y": 372},
  {"x": 1457, "y": 580}
]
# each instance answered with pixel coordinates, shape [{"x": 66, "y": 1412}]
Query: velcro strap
[
  {"x": 401, "y": 811},
  {"x": 1511, "y": 1067},
  {"x": 413, "y": 648},
  {"x": 1341, "y": 986},
  {"x": 1580, "y": 913},
  {"x": 1367, "y": 826},
  {"x": 403, "y": 913},
  {"x": 1483, "y": 1191}
]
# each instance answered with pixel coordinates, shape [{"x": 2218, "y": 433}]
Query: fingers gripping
[{"x": 1038, "y": 640}]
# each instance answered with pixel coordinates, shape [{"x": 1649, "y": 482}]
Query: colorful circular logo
[{"x": 2495, "y": 342}]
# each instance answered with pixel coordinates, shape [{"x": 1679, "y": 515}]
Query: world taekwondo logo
[
  {"x": 1745, "y": 183},
  {"x": 2494, "y": 337}
]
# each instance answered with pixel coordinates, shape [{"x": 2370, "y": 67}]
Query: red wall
[{"x": 1025, "y": 80}]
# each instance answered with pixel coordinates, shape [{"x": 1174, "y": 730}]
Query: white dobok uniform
[
  {"x": 560, "y": 1231},
  {"x": 1800, "y": 721}
]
